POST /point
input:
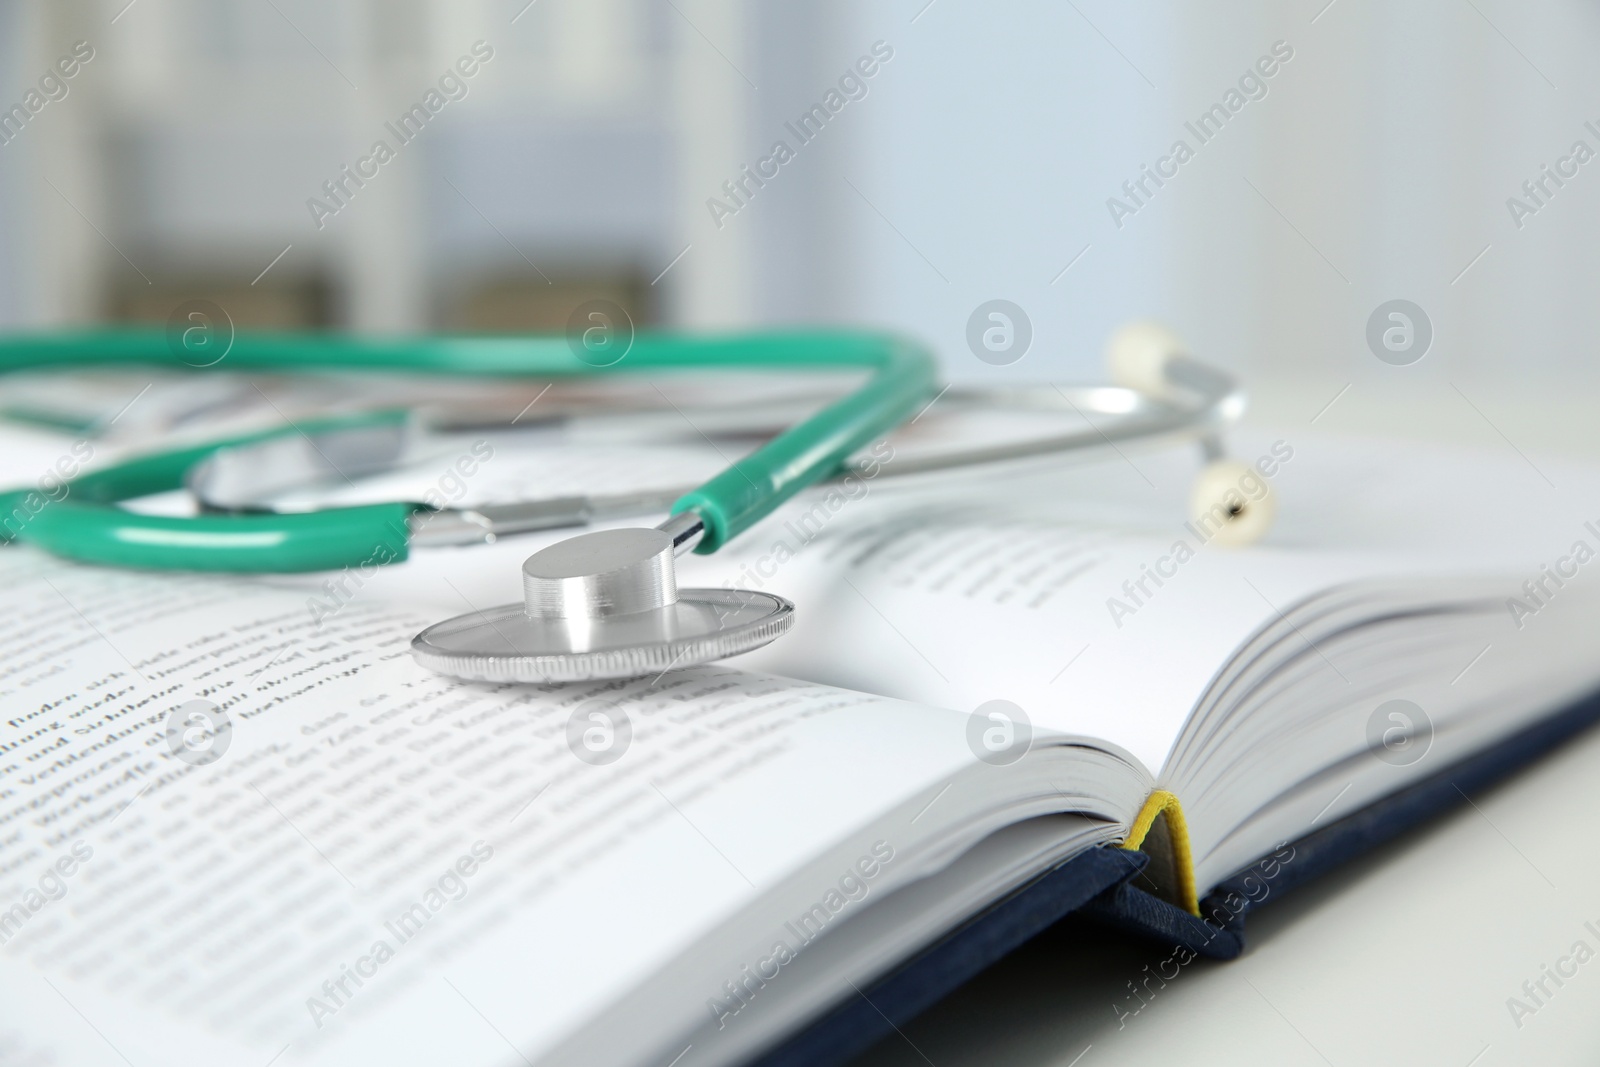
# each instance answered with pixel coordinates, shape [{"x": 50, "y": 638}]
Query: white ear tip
[
  {"x": 1137, "y": 355},
  {"x": 1232, "y": 504}
]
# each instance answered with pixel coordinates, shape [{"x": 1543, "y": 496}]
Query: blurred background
[{"x": 586, "y": 158}]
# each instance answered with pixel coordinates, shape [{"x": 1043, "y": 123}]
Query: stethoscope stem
[{"x": 686, "y": 529}]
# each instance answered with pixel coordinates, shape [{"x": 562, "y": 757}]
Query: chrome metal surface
[
  {"x": 608, "y": 572},
  {"x": 604, "y": 605},
  {"x": 246, "y": 477},
  {"x": 503, "y": 644},
  {"x": 686, "y": 529},
  {"x": 487, "y": 523},
  {"x": 1201, "y": 401}
]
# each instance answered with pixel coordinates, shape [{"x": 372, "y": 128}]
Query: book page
[
  {"x": 231, "y": 826},
  {"x": 1090, "y": 630}
]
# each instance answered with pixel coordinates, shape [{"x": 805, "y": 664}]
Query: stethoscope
[{"x": 602, "y": 604}]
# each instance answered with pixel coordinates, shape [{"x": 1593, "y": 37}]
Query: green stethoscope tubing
[{"x": 86, "y": 524}]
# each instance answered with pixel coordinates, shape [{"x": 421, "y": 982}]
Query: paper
[{"x": 369, "y": 826}]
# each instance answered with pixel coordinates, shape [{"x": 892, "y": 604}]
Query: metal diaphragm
[{"x": 505, "y": 644}]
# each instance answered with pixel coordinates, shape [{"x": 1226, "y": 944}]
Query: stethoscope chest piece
[{"x": 602, "y": 605}]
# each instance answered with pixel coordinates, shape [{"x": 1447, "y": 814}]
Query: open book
[{"x": 238, "y": 823}]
